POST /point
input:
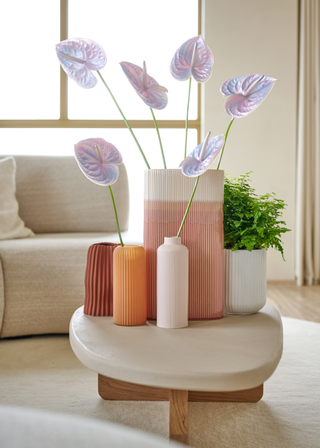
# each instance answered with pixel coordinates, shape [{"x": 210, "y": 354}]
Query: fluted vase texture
[
  {"x": 245, "y": 281},
  {"x": 172, "y": 284},
  {"x": 166, "y": 196},
  {"x": 129, "y": 286},
  {"x": 98, "y": 280}
]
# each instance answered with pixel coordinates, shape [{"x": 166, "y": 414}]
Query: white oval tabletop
[{"x": 228, "y": 354}]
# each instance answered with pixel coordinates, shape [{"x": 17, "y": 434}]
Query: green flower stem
[
  {"x": 125, "y": 120},
  {"x": 187, "y": 211},
  {"x": 116, "y": 215},
  {"x": 186, "y": 140},
  {"x": 225, "y": 140},
  {"x": 156, "y": 125}
]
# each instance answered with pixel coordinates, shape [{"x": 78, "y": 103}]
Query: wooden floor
[{"x": 300, "y": 302}]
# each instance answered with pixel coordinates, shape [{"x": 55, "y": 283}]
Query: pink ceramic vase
[{"x": 167, "y": 193}]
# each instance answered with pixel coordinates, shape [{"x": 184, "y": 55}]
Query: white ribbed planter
[
  {"x": 172, "y": 284},
  {"x": 166, "y": 196},
  {"x": 245, "y": 281}
]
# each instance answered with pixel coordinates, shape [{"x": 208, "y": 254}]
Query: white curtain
[{"x": 308, "y": 154}]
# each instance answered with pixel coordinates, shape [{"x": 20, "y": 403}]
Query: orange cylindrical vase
[{"x": 129, "y": 285}]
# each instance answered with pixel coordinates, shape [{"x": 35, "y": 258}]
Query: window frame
[{"x": 65, "y": 122}]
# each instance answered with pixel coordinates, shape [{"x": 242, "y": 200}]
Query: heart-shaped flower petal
[
  {"x": 193, "y": 58},
  {"x": 245, "y": 93},
  {"x": 200, "y": 159},
  {"x": 98, "y": 160},
  {"x": 78, "y": 56},
  {"x": 146, "y": 87}
]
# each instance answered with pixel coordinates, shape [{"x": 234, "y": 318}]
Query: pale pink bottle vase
[{"x": 172, "y": 284}]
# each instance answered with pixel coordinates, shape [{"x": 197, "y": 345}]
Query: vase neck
[{"x": 172, "y": 240}]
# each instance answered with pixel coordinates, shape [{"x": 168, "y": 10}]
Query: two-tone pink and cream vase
[{"x": 166, "y": 196}]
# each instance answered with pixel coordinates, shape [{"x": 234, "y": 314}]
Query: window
[{"x": 43, "y": 112}]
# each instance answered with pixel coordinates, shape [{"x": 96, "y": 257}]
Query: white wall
[{"x": 257, "y": 36}]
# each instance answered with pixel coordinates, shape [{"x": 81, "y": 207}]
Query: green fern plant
[{"x": 251, "y": 221}]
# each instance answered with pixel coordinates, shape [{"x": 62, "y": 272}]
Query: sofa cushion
[
  {"x": 54, "y": 196},
  {"x": 44, "y": 280},
  {"x": 11, "y": 225}
]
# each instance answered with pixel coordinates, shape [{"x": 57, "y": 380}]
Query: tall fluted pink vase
[{"x": 166, "y": 196}]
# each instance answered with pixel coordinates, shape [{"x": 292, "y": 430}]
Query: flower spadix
[
  {"x": 98, "y": 160},
  {"x": 78, "y": 57},
  {"x": 200, "y": 159},
  {"x": 151, "y": 93},
  {"x": 193, "y": 58},
  {"x": 245, "y": 93}
]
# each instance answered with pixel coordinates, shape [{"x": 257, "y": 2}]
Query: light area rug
[{"x": 43, "y": 373}]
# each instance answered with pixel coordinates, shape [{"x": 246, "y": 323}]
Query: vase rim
[
  {"x": 172, "y": 240},
  {"x": 246, "y": 250},
  {"x": 106, "y": 244}
]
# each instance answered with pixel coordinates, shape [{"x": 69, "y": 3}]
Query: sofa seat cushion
[{"x": 43, "y": 280}]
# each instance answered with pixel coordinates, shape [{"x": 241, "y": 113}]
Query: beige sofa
[{"x": 42, "y": 277}]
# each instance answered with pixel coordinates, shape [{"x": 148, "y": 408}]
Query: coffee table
[{"x": 227, "y": 359}]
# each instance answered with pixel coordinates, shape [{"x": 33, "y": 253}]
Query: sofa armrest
[{"x": 1, "y": 295}]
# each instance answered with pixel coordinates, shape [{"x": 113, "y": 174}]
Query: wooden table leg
[
  {"x": 178, "y": 415},
  {"x": 111, "y": 389}
]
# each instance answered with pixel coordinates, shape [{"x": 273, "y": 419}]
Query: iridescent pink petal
[
  {"x": 193, "y": 58},
  {"x": 98, "y": 160},
  {"x": 78, "y": 56},
  {"x": 200, "y": 159},
  {"x": 146, "y": 87},
  {"x": 245, "y": 93}
]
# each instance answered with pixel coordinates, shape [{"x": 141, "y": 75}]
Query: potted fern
[{"x": 252, "y": 224}]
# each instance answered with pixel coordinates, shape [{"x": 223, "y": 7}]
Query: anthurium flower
[
  {"x": 200, "y": 159},
  {"x": 98, "y": 160},
  {"x": 193, "y": 58},
  {"x": 78, "y": 57},
  {"x": 197, "y": 163},
  {"x": 245, "y": 93},
  {"x": 147, "y": 88}
]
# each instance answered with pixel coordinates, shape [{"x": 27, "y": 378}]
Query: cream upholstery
[
  {"x": 54, "y": 196},
  {"x": 11, "y": 225},
  {"x": 42, "y": 278}
]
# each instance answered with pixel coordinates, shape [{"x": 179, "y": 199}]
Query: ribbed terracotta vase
[
  {"x": 166, "y": 196},
  {"x": 129, "y": 286},
  {"x": 172, "y": 284},
  {"x": 98, "y": 280},
  {"x": 245, "y": 281}
]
